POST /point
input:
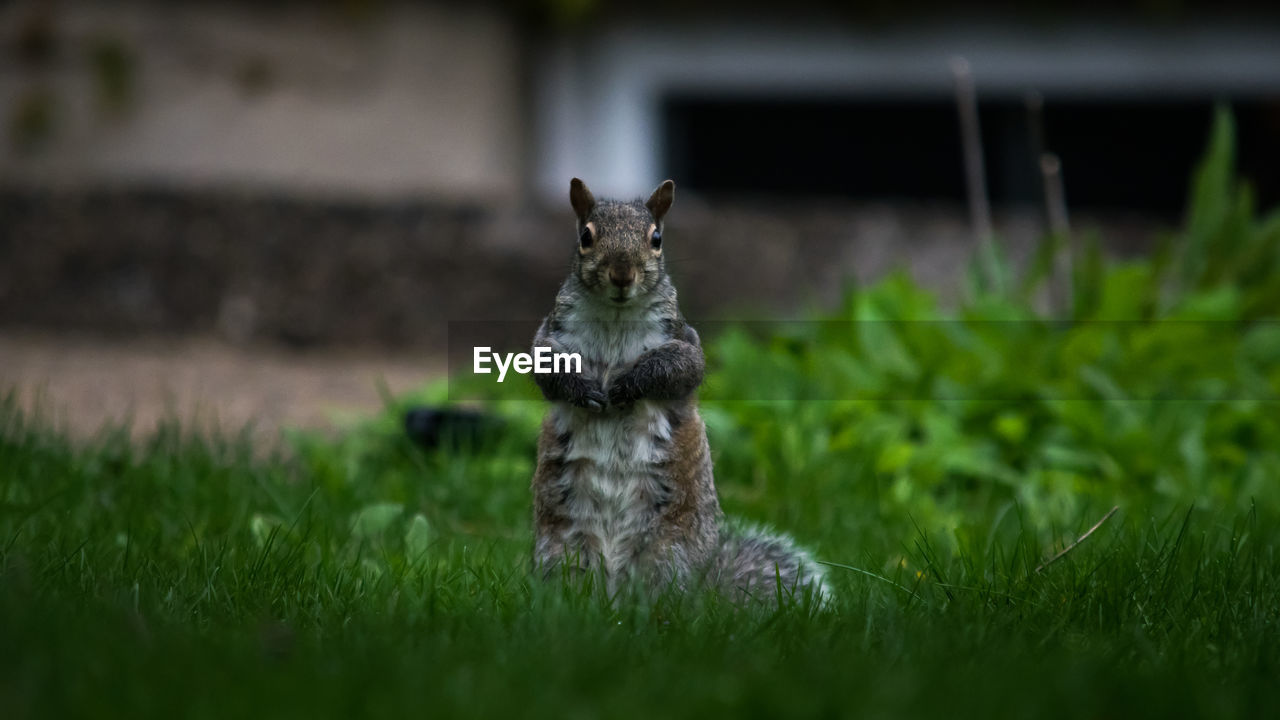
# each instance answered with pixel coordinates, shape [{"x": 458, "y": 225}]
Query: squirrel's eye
[
  {"x": 656, "y": 240},
  {"x": 584, "y": 239}
]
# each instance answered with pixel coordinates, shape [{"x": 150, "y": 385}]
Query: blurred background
[{"x": 262, "y": 208}]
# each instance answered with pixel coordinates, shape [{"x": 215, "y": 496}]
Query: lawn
[{"x": 939, "y": 459}]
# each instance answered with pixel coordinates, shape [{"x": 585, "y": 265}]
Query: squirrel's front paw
[
  {"x": 592, "y": 398},
  {"x": 622, "y": 393}
]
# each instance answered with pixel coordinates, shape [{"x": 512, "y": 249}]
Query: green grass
[
  {"x": 938, "y": 464},
  {"x": 187, "y": 576}
]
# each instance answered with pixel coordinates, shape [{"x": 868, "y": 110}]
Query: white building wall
[{"x": 600, "y": 93}]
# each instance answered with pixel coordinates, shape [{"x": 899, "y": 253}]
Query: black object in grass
[{"x": 451, "y": 428}]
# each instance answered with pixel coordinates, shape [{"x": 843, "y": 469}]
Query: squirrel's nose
[{"x": 622, "y": 276}]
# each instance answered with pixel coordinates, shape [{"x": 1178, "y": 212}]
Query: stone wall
[
  {"x": 413, "y": 100},
  {"x": 306, "y": 272}
]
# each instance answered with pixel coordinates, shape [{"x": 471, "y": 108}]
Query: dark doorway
[{"x": 1135, "y": 155}]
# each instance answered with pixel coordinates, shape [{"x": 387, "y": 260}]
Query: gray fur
[
  {"x": 624, "y": 480},
  {"x": 757, "y": 563}
]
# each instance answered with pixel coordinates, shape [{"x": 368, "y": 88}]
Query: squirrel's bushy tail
[{"x": 761, "y": 563}]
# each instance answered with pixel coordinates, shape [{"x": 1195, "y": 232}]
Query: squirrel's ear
[
  {"x": 581, "y": 198},
  {"x": 660, "y": 200}
]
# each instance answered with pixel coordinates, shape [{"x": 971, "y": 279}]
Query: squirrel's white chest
[
  {"x": 615, "y": 441},
  {"x": 615, "y": 487},
  {"x": 608, "y": 344},
  {"x": 612, "y": 459}
]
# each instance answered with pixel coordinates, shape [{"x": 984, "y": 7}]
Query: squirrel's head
[{"x": 619, "y": 254}]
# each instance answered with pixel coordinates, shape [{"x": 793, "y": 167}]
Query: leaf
[
  {"x": 881, "y": 345},
  {"x": 1210, "y": 201},
  {"x": 1128, "y": 293},
  {"x": 1010, "y": 426},
  {"x": 418, "y": 537},
  {"x": 894, "y": 457},
  {"x": 1218, "y": 305},
  {"x": 373, "y": 520},
  {"x": 262, "y": 526}
]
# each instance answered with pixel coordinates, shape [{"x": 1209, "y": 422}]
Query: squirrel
[{"x": 623, "y": 484}]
